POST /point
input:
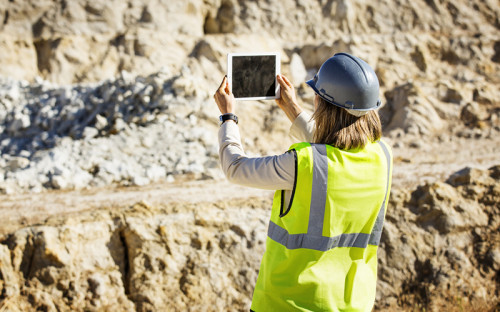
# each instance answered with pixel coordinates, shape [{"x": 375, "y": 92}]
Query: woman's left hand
[
  {"x": 224, "y": 97},
  {"x": 288, "y": 100}
]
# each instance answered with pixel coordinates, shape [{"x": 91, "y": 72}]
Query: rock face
[
  {"x": 69, "y": 41},
  {"x": 442, "y": 240},
  {"x": 180, "y": 258},
  {"x": 440, "y": 250}
]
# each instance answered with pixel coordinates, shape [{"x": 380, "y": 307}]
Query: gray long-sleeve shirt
[{"x": 269, "y": 172}]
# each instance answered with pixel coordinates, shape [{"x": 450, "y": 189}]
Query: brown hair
[{"x": 336, "y": 127}]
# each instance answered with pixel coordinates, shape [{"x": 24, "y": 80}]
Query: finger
[
  {"x": 286, "y": 81},
  {"x": 223, "y": 83},
  {"x": 281, "y": 81}
]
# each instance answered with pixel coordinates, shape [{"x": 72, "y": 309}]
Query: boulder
[
  {"x": 408, "y": 109},
  {"x": 472, "y": 114},
  {"x": 298, "y": 72}
]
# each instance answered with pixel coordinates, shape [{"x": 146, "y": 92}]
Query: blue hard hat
[{"x": 347, "y": 81}]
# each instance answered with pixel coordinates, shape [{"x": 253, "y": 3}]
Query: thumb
[{"x": 228, "y": 91}]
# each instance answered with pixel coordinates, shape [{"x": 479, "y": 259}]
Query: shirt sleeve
[
  {"x": 271, "y": 172},
  {"x": 302, "y": 128}
]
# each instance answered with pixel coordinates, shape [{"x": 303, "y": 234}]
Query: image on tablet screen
[{"x": 254, "y": 76}]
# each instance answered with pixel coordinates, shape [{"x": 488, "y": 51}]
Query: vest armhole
[{"x": 284, "y": 213}]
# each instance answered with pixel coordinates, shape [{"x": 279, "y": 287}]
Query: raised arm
[{"x": 271, "y": 172}]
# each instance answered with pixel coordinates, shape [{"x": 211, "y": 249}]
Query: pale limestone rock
[
  {"x": 494, "y": 255},
  {"x": 90, "y": 132},
  {"x": 101, "y": 122},
  {"x": 440, "y": 209},
  {"x": 76, "y": 42},
  {"x": 473, "y": 113},
  {"x": 298, "y": 72},
  {"x": 408, "y": 109},
  {"x": 9, "y": 283},
  {"x": 16, "y": 163},
  {"x": 19, "y": 58},
  {"x": 59, "y": 182},
  {"x": 18, "y": 123}
]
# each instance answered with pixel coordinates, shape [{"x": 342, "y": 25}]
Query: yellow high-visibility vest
[{"x": 321, "y": 250}]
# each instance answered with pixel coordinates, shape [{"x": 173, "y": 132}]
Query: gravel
[{"x": 129, "y": 131}]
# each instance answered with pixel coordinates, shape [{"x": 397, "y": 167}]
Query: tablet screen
[{"x": 253, "y": 76}]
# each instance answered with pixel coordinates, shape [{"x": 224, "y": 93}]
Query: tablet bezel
[{"x": 277, "y": 68}]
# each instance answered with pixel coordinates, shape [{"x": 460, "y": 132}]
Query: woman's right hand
[
  {"x": 224, "y": 97},
  {"x": 288, "y": 100}
]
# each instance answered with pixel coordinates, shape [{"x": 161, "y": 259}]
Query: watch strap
[{"x": 225, "y": 117}]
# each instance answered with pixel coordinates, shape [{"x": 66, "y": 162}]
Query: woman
[{"x": 329, "y": 207}]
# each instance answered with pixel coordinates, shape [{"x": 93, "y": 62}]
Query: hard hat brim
[{"x": 312, "y": 84}]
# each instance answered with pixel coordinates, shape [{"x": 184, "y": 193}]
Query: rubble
[{"x": 125, "y": 132}]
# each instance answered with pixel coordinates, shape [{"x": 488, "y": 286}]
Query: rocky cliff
[{"x": 106, "y": 111}]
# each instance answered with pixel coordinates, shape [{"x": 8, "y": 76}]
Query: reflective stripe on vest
[{"x": 313, "y": 239}]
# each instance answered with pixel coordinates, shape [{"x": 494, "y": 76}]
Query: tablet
[{"x": 252, "y": 76}]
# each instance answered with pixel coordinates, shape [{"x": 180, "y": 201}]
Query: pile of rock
[{"x": 131, "y": 131}]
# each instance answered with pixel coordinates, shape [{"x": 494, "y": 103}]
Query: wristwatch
[{"x": 225, "y": 117}]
